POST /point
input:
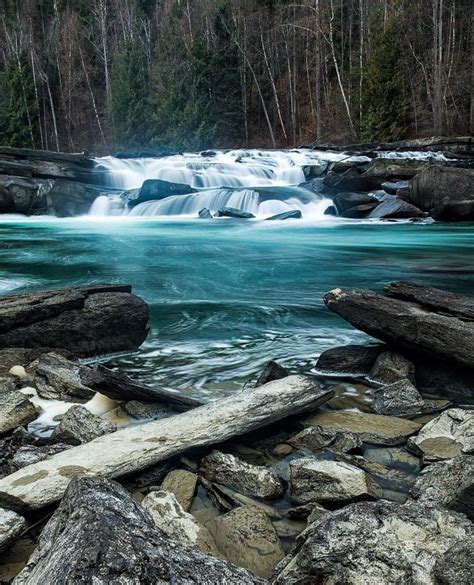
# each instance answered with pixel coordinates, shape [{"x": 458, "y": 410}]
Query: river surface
[{"x": 228, "y": 295}]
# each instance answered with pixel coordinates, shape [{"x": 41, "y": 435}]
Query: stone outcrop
[
  {"x": 156, "y": 189},
  {"x": 99, "y": 534},
  {"x": 87, "y": 320},
  {"x": 349, "y": 359}
]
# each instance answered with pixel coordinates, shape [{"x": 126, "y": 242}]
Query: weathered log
[
  {"x": 135, "y": 448},
  {"x": 99, "y": 534},
  {"x": 119, "y": 386},
  {"x": 88, "y": 320},
  {"x": 406, "y": 325}
]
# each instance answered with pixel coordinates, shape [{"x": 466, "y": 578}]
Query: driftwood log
[{"x": 135, "y": 448}]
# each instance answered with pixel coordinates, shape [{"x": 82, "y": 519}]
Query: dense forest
[{"x": 104, "y": 75}]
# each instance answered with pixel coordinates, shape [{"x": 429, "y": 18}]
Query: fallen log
[
  {"x": 87, "y": 320},
  {"x": 119, "y": 386},
  {"x": 406, "y": 325},
  {"x": 135, "y": 448},
  {"x": 99, "y": 534}
]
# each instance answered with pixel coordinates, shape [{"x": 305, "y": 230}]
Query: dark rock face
[
  {"x": 396, "y": 187},
  {"x": 407, "y": 325},
  {"x": 272, "y": 371},
  {"x": 23, "y": 195},
  {"x": 156, "y": 189},
  {"x": 100, "y": 535},
  {"x": 381, "y": 542},
  {"x": 350, "y": 359},
  {"x": 345, "y": 201},
  {"x": 293, "y": 214},
  {"x": 69, "y": 198},
  {"x": 398, "y": 399},
  {"x": 58, "y": 378},
  {"x": 439, "y": 185},
  {"x": 205, "y": 214},
  {"x": 391, "y": 367},
  {"x": 86, "y": 321},
  {"x": 236, "y": 213},
  {"x": 454, "y": 210},
  {"x": 395, "y": 208},
  {"x": 331, "y": 210},
  {"x": 360, "y": 211}
]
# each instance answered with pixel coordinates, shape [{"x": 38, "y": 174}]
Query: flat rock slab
[
  {"x": 448, "y": 435},
  {"x": 99, "y": 534},
  {"x": 86, "y": 321},
  {"x": 383, "y": 542},
  {"x": 371, "y": 428},
  {"x": 135, "y": 448},
  {"x": 407, "y": 325}
]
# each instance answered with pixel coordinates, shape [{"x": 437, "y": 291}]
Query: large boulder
[
  {"x": 382, "y": 542},
  {"x": 390, "y": 367},
  {"x": 156, "y": 189},
  {"x": 349, "y": 359},
  {"x": 23, "y": 195},
  {"x": 87, "y": 321},
  {"x": 346, "y": 200},
  {"x": 99, "y": 534},
  {"x": 394, "y": 208},
  {"x": 439, "y": 185}
]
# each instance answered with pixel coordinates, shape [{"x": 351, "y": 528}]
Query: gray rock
[
  {"x": 457, "y": 567},
  {"x": 371, "y": 428},
  {"x": 398, "y": 399},
  {"x": 247, "y": 538},
  {"x": 15, "y": 410},
  {"x": 391, "y": 367},
  {"x": 235, "y": 213},
  {"x": 272, "y": 371},
  {"x": 446, "y": 210},
  {"x": 58, "y": 378},
  {"x": 183, "y": 485},
  {"x": 29, "y": 454},
  {"x": 349, "y": 359},
  {"x": 81, "y": 426},
  {"x": 293, "y": 214},
  {"x": 345, "y": 201},
  {"x": 156, "y": 189},
  {"x": 205, "y": 214},
  {"x": 146, "y": 410},
  {"x": 448, "y": 435},
  {"x": 393, "y": 188},
  {"x": 396, "y": 209},
  {"x": 251, "y": 480},
  {"x": 449, "y": 484},
  {"x": 170, "y": 517},
  {"x": 321, "y": 481},
  {"x": 315, "y": 438},
  {"x": 88, "y": 320},
  {"x": 99, "y": 534},
  {"x": 380, "y": 542},
  {"x": 360, "y": 211},
  {"x": 11, "y": 526}
]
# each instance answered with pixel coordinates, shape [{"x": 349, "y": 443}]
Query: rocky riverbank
[
  {"x": 105, "y": 479},
  {"x": 380, "y": 182}
]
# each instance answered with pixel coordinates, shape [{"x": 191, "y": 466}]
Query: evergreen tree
[
  {"x": 130, "y": 105},
  {"x": 18, "y": 108},
  {"x": 383, "y": 99}
]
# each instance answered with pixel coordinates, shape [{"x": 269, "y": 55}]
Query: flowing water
[{"x": 228, "y": 295}]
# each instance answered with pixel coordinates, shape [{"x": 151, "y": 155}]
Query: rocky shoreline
[
  {"x": 363, "y": 185},
  {"x": 279, "y": 483}
]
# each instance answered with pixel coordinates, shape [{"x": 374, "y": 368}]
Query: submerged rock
[
  {"x": 236, "y": 213},
  {"x": 381, "y": 542},
  {"x": 11, "y": 526},
  {"x": 293, "y": 214},
  {"x": 182, "y": 484},
  {"x": 448, "y": 435},
  {"x": 272, "y": 371},
  {"x": 157, "y": 189},
  {"x": 81, "y": 426},
  {"x": 182, "y": 527},
  {"x": 315, "y": 438},
  {"x": 448, "y": 484},
  {"x": 205, "y": 214},
  {"x": 99, "y": 534},
  {"x": 398, "y": 399},
  {"x": 230, "y": 471},
  {"x": 371, "y": 428},
  {"x": 15, "y": 410},
  {"x": 349, "y": 359},
  {"x": 247, "y": 538},
  {"x": 331, "y": 482}
]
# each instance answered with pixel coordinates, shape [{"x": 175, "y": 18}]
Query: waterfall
[{"x": 101, "y": 206}]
